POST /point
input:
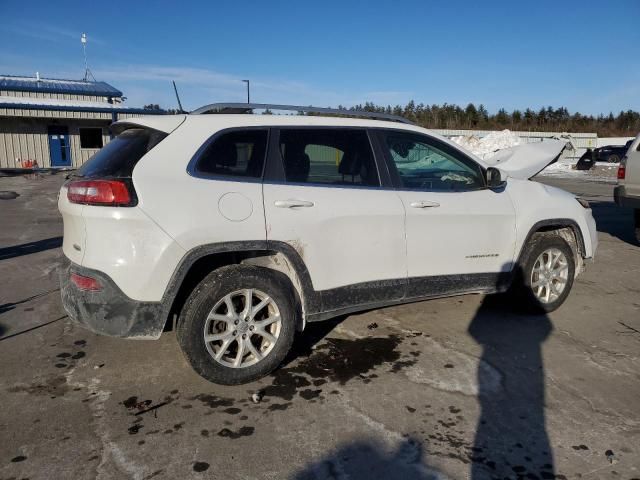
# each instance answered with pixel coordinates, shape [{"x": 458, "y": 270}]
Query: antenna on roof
[
  {"x": 87, "y": 72},
  {"x": 175, "y": 89}
]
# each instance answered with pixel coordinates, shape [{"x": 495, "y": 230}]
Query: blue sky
[{"x": 578, "y": 54}]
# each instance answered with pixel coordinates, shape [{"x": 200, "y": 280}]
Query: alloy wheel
[
  {"x": 549, "y": 275},
  {"x": 242, "y": 328}
]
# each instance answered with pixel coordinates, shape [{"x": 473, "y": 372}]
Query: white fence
[{"x": 613, "y": 141}]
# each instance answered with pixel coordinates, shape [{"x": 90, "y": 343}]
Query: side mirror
[{"x": 494, "y": 178}]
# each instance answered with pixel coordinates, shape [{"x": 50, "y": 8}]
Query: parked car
[
  {"x": 244, "y": 228},
  {"x": 627, "y": 193},
  {"x": 611, "y": 153}
]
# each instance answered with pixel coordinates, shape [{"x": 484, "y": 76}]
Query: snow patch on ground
[
  {"x": 602, "y": 173},
  {"x": 560, "y": 168}
]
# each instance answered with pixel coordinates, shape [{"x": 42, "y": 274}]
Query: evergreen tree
[{"x": 449, "y": 116}]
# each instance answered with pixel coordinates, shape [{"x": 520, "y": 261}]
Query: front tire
[
  {"x": 238, "y": 324},
  {"x": 613, "y": 158},
  {"x": 636, "y": 214},
  {"x": 546, "y": 272}
]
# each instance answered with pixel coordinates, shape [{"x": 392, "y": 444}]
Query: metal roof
[
  {"x": 26, "y": 103},
  {"x": 52, "y": 85}
]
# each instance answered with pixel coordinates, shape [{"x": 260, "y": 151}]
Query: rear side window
[
  {"x": 328, "y": 156},
  {"x": 238, "y": 153},
  {"x": 121, "y": 154}
]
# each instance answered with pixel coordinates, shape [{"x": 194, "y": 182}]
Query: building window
[{"x": 90, "y": 138}]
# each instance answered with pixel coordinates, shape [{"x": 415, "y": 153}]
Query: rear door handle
[
  {"x": 293, "y": 203},
  {"x": 424, "y": 204}
]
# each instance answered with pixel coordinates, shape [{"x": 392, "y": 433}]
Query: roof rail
[{"x": 249, "y": 107}]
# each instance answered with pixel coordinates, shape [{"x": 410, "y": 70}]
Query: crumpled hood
[{"x": 525, "y": 161}]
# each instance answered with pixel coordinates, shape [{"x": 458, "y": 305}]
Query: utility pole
[
  {"x": 248, "y": 97},
  {"x": 83, "y": 40},
  {"x": 87, "y": 72}
]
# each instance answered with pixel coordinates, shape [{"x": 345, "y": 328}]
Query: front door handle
[
  {"x": 424, "y": 204},
  {"x": 293, "y": 203}
]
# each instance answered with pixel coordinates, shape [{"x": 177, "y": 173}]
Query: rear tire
[
  {"x": 613, "y": 158},
  {"x": 545, "y": 273},
  {"x": 636, "y": 215},
  {"x": 238, "y": 324}
]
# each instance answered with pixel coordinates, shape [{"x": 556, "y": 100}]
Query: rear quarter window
[
  {"x": 120, "y": 155},
  {"x": 237, "y": 153}
]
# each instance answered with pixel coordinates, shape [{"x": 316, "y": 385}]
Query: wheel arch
[
  {"x": 202, "y": 260},
  {"x": 557, "y": 224}
]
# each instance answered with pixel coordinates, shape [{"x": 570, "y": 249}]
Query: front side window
[
  {"x": 340, "y": 157},
  {"x": 234, "y": 154},
  {"x": 426, "y": 164}
]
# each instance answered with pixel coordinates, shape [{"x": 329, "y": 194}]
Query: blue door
[{"x": 59, "y": 147}]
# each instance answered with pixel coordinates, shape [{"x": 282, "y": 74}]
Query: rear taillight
[
  {"x": 622, "y": 169},
  {"x": 100, "y": 192},
  {"x": 87, "y": 284}
]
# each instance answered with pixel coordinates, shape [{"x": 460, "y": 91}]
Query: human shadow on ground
[
  {"x": 511, "y": 440},
  {"x": 368, "y": 460}
]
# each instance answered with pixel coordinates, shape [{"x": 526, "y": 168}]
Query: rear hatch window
[{"x": 118, "y": 158}]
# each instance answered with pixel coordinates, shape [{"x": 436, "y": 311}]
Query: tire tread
[{"x": 202, "y": 299}]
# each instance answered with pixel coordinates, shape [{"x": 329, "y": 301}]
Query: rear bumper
[
  {"x": 109, "y": 311},
  {"x": 622, "y": 200}
]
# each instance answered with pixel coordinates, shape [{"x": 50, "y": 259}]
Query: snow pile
[
  {"x": 559, "y": 168},
  {"x": 486, "y": 146}
]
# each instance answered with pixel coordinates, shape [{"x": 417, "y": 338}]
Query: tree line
[{"x": 624, "y": 124}]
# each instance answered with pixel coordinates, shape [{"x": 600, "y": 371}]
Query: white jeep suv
[{"x": 239, "y": 229}]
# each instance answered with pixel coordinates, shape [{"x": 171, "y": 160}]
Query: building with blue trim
[{"x": 48, "y": 122}]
